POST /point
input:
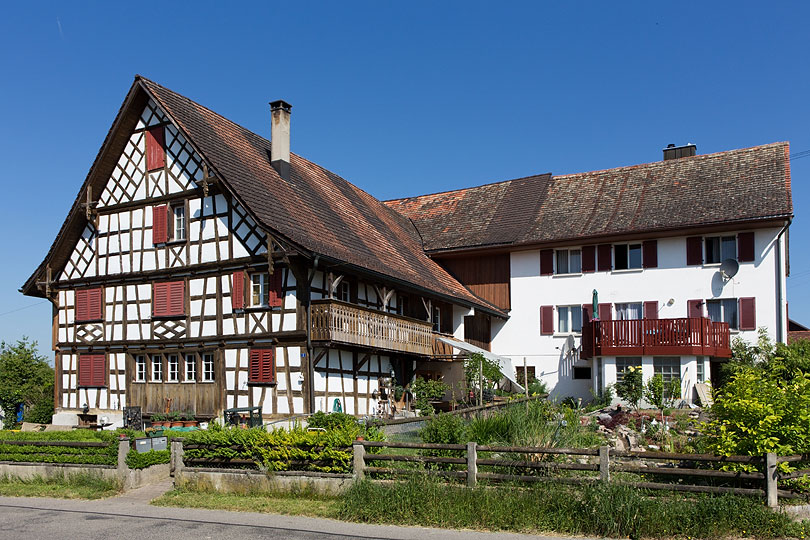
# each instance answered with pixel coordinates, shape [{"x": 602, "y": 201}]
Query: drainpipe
[
  {"x": 310, "y": 352},
  {"x": 779, "y": 273}
]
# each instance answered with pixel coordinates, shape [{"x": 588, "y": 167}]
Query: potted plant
[
  {"x": 159, "y": 420},
  {"x": 176, "y": 420},
  {"x": 189, "y": 420}
]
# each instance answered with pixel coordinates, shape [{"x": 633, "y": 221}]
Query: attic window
[{"x": 155, "y": 148}]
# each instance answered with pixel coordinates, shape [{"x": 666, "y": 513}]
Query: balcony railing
[
  {"x": 693, "y": 336},
  {"x": 340, "y": 322}
]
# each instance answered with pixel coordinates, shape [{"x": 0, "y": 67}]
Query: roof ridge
[{"x": 469, "y": 188}]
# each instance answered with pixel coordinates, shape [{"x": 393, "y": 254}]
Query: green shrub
[
  {"x": 138, "y": 460},
  {"x": 101, "y": 455},
  {"x": 654, "y": 391},
  {"x": 538, "y": 387},
  {"x": 631, "y": 388},
  {"x": 424, "y": 391},
  {"x": 443, "y": 429}
]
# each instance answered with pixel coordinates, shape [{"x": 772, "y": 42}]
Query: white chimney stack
[{"x": 280, "y": 137}]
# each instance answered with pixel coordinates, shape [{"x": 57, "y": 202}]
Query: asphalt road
[{"x": 130, "y": 517}]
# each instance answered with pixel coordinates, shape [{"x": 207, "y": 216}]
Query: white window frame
[
  {"x": 563, "y": 261},
  {"x": 208, "y": 367},
  {"x": 157, "y": 368},
  {"x": 569, "y": 319},
  {"x": 343, "y": 292},
  {"x": 190, "y": 370},
  {"x": 627, "y": 259},
  {"x": 259, "y": 289},
  {"x": 700, "y": 370},
  {"x": 179, "y": 222},
  {"x": 724, "y": 304},
  {"x": 172, "y": 368},
  {"x": 719, "y": 248},
  {"x": 140, "y": 368},
  {"x": 437, "y": 319}
]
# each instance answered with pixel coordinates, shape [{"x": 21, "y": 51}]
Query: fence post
[
  {"x": 177, "y": 457},
  {"x": 604, "y": 463},
  {"x": 123, "y": 450},
  {"x": 771, "y": 477},
  {"x": 472, "y": 464},
  {"x": 359, "y": 465}
]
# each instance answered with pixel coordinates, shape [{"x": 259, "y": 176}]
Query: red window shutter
[
  {"x": 82, "y": 306},
  {"x": 748, "y": 313},
  {"x": 85, "y": 369},
  {"x": 605, "y": 313},
  {"x": 546, "y": 320},
  {"x": 650, "y": 254},
  {"x": 587, "y": 313},
  {"x": 262, "y": 366},
  {"x": 604, "y": 264},
  {"x": 92, "y": 370},
  {"x": 238, "y": 290},
  {"x": 588, "y": 258},
  {"x": 694, "y": 308},
  {"x": 546, "y": 262},
  {"x": 95, "y": 304},
  {"x": 694, "y": 250},
  {"x": 160, "y": 299},
  {"x": 745, "y": 247},
  {"x": 177, "y": 298},
  {"x": 160, "y": 215},
  {"x": 155, "y": 148},
  {"x": 99, "y": 375},
  {"x": 276, "y": 296},
  {"x": 651, "y": 310}
]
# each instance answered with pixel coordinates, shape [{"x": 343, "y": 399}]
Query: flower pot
[
  {"x": 159, "y": 423},
  {"x": 190, "y": 423},
  {"x": 176, "y": 423}
]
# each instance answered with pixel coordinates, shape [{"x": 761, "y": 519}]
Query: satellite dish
[
  {"x": 570, "y": 343},
  {"x": 729, "y": 269}
]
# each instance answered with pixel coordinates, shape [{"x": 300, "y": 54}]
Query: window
[
  {"x": 437, "y": 319},
  {"x": 720, "y": 248},
  {"x": 569, "y": 319},
  {"x": 259, "y": 288},
  {"x": 521, "y": 376},
  {"x": 582, "y": 372},
  {"x": 622, "y": 363},
  {"x": 262, "y": 368},
  {"x": 191, "y": 368},
  {"x": 343, "y": 292},
  {"x": 140, "y": 368},
  {"x": 569, "y": 261},
  {"x": 626, "y": 256},
  {"x": 629, "y": 312},
  {"x": 92, "y": 370},
  {"x": 89, "y": 304},
  {"x": 169, "y": 299},
  {"x": 173, "y": 372},
  {"x": 669, "y": 368},
  {"x": 723, "y": 311},
  {"x": 700, "y": 372},
  {"x": 157, "y": 368},
  {"x": 207, "y": 367},
  {"x": 179, "y": 218}
]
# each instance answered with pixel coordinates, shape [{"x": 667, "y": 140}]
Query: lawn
[{"x": 71, "y": 486}]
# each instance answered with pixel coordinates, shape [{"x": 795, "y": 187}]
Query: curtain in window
[{"x": 628, "y": 312}]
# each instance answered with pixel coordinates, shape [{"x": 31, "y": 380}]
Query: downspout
[
  {"x": 310, "y": 351},
  {"x": 779, "y": 273}
]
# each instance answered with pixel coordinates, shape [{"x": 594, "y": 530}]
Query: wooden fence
[{"x": 600, "y": 462}]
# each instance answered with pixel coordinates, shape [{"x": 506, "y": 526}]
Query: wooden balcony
[
  {"x": 339, "y": 322},
  {"x": 693, "y": 336}
]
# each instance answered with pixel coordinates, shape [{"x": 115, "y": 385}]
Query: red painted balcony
[{"x": 656, "y": 337}]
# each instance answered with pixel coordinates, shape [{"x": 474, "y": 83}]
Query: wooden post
[
  {"x": 472, "y": 464},
  {"x": 481, "y": 381},
  {"x": 604, "y": 463},
  {"x": 771, "y": 477},
  {"x": 359, "y": 453},
  {"x": 526, "y": 382}
]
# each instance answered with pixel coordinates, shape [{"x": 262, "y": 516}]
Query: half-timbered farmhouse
[{"x": 204, "y": 267}]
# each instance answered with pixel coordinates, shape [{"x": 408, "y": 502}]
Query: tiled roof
[
  {"x": 316, "y": 209},
  {"x": 704, "y": 190}
]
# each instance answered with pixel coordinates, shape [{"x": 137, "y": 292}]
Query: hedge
[{"x": 138, "y": 460}]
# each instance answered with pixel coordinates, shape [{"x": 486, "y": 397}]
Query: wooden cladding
[
  {"x": 89, "y": 304},
  {"x": 334, "y": 321},
  {"x": 477, "y": 330},
  {"x": 262, "y": 366},
  {"x": 169, "y": 299},
  {"x": 92, "y": 370},
  {"x": 487, "y": 276},
  {"x": 160, "y": 219},
  {"x": 155, "y": 148}
]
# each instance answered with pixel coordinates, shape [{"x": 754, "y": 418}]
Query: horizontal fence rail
[{"x": 697, "y": 335}]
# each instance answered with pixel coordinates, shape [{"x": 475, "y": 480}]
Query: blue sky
[{"x": 401, "y": 99}]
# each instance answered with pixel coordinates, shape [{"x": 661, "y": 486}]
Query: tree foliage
[
  {"x": 631, "y": 388},
  {"x": 424, "y": 391},
  {"x": 489, "y": 370},
  {"x": 27, "y": 379}
]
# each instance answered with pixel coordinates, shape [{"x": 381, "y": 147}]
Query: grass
[
  {"x": 68, "y": 486},
  {"x": 300, "y": 503}
]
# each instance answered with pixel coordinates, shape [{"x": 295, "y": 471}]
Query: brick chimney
[{"x": 280, "y": 137}]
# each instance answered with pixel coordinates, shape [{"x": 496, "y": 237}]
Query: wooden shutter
[
  {"x": 546, "y": 262},
  {"x": 694, "y": 250},
  {"x": 160, "y": 299},
  {"x": 603, "y": 252},
  {"x": 588, "y": 259},
  {"x": 238, "y": 290},
  {"x": 155, "y": 148},
  {"x": 587, "y": 313},
  {"x": 275, "y": 296},
  {"x": 177, "y": 298},
  {"x": 92, "y": 370},
  {"x": 546, "y": 320},
  {"x": 694, "y": 308},
  {"x": 748, "y": 313},
  {"x": 651, "y": 310},
  {"x": 262, "y": 366},
  {"x": 650, "y": 254},
  {"x": 169, "y": 299},
  {"x": 605, "y": 312},
  {"x": 745, "y": 247},
  {"x": 82, "y": 306},
  {"x": 160, "y": 215}
]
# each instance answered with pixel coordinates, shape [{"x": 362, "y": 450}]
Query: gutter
[
  {"x": 310, "y": 351},
  {"x": 780, "y": 323}
]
